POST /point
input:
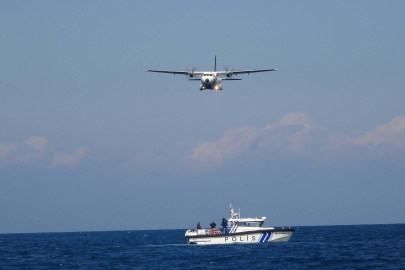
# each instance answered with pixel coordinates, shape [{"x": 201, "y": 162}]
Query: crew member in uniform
[
  {"x": 223, "y": 224},
  {"x": 213, "y": 225},
  {"x": 198, "y": 226}
]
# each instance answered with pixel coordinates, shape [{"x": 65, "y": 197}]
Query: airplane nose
[{"x": 207, "y": 80}]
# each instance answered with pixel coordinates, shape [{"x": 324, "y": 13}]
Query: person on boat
[
  {"x": 213, "y": 225},
  {"x": 223, "y": 224},
  {"x": 198, "y": 225}
]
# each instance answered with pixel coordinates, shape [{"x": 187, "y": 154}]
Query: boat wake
[{"x": 166, "y": 245}]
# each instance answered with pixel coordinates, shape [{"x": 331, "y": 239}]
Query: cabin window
[
  {"x": 254, "y": 224},
  {"x": 241, "y": 223}
]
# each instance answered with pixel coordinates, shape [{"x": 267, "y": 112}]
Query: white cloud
[
  {"x": 233, "y": 142},
  {"x": 295, "y": 139},
  {"x": 391, "y": 133},
  {"x": 238, "y": 140},
  {"x": 69, "y": 159},
  {"x": 295, "y": 118},
  {"x": 6, "y": 148},
  {"x": 32, "y": 150},
  {"x": 37, "y": 143},
  {"x": 23, "y": 152}
]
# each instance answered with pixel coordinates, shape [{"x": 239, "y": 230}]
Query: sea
[{"x": 310, "y": 247}]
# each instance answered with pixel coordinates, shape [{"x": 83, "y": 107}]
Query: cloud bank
[
  {"x": 295, "y": 135},
  {"x": 32, "y": 150}
]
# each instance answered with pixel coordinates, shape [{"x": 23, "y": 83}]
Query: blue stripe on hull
[
  {"x": 272, "y": 234},
  {"x": 260, "y": 239},
  {"x": 264, "y": 238},
  {"x": 268, "y": 237}
]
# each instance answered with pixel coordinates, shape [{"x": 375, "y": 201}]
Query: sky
[{"x": 90, "y": 141}]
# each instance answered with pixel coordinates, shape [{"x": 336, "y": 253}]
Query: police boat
[{"x": 239, "y": 230}]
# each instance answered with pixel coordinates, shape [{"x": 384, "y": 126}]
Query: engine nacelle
[
  {"x": 228, "y": 74},
  {"x": 191, "y": 75}
]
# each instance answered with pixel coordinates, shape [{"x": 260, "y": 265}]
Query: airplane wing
[
  {"x": 252, "y": 71},
  {"x": 244, "y": 71},
  {"x": 177, "y": 72}
]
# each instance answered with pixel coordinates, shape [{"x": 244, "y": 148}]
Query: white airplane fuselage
[{"x": 210, "y": 81}]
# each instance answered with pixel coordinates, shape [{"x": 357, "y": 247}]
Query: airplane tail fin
[{"x": 215, "y": 67}]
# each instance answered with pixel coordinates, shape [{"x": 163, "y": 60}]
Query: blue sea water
[{"x": 311, "y": 247}]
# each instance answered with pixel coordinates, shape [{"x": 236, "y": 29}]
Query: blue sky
[{"x": 90, "y": 141}]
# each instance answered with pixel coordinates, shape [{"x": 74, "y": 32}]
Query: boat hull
[{"x": 249, "y": 237}]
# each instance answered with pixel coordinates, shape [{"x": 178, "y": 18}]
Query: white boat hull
[{"x": 249, "y": 237}]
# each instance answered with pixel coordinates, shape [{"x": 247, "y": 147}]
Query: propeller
[
  {"x": 228, "y": 72},
  {"x": 191, "y": 71}
]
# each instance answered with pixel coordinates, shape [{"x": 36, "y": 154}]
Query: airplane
[{"x": 211, "y": 80}]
